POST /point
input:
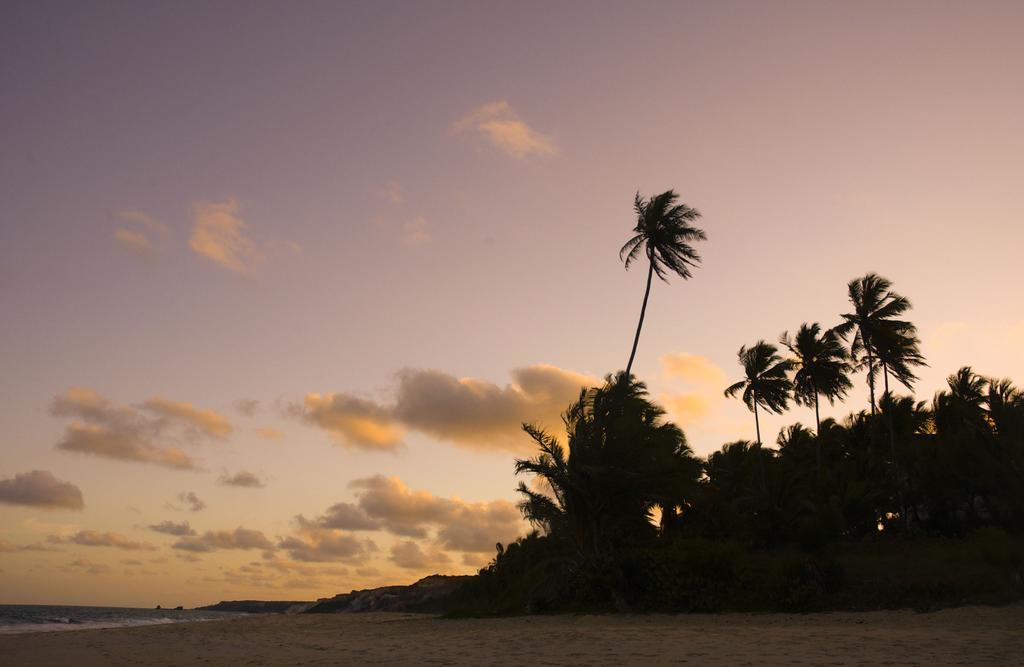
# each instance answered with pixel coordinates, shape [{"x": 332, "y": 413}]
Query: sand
[{"x": 964, "y": 636}]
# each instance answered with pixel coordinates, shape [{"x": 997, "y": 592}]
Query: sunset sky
[{"x": 279, "y": 282}]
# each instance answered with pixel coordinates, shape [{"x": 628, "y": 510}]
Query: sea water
[{"x": 18, "y": 618}]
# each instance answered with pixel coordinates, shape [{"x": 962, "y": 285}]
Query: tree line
[{"x": 625, "y": 477}]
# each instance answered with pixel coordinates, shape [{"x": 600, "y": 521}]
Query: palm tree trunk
[
  {"x": 760, "y": 452},
  {"x": 817, "y": 431},
  {"x": 885, "y": 374},
  {"x": 871, "y": 379},
  {"x": 643, "y": 311},
  {"x": 757, "y": 422}
]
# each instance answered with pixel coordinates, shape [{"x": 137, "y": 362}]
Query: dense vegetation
[{"x": 904, "y": 502}]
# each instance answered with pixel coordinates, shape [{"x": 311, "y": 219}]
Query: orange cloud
[
  {"x": 209, "y": 422},
  {"x": 693, "y": 368},
  {"x": 219, "y": 235},
  {"x": 353, "y": 422},
  {"x": 500, "y": 126},
  {"x": 126, "y": 433}
]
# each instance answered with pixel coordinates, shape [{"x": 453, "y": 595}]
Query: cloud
[
  {"x": 416, "y": 231},
  {"x": 346, "y": 516},
  {"x": 128, "y": 434},
  {"x": 39, "y": 488},
  {"x": 133, "y": 240},
  {"x": 208, "y": 422},
  {"x": 409, "y": 555},
  {"x": 170, "y": 528},
  {"x": 353, "y": 422},
  {"x": 192, "y": 500},
  {"x": 694, "y": 368},
  {"x": 247, "y": 406},
  {"x": 93, "y": 538},
  {"x": 687, "y": 407},
  {"x": 465, "y": 411},
  {"x": 392, "y": 191},
  {"x": 139, "y": 241},
  {"x": 268, "y": 433},
  {"x": 386, "y": 503},
  {"x": 314, "y": 543},
  {"x": 108, "y": 443},
  {"x": 212, "y": 540},
  {"x": 219, "y": 235},
  {"x": 242, "y": 478},
  {"x": 478, "y": 413},
  {"x": 89, "y": 567},
  {"x": 498, "y": 124}
]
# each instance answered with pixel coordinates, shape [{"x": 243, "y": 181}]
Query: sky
[{"x": 281, "y": 282}]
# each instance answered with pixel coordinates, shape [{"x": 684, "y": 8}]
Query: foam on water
[{"x": 18, "y": 619}]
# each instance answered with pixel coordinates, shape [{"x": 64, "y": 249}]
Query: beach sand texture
[{"x": 964, "y": 636}]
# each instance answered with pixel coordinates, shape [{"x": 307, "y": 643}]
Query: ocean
[{"x": 18, "y": 618}]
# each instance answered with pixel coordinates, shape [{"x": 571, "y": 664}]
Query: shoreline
[{"x": 962, "y": 635}]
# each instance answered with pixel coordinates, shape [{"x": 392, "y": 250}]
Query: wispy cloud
[
  {"x": 170, "y": 528},
  {"x": 416, "y": 231},
  {"x": 134, "y": 433},
  {"x": 270, "y": 433},
  {"x": 242, "y": 478},
  {"x": 93, "y": 538},
  {"x": 219, "y": 235},
  {"x": 499, "y": 125},
  {"x": 193, "y": 501},
  {"x": 143, "y": 233},
  {"x": 392, "y": 191},
  {"x": 213, "y": 540}
]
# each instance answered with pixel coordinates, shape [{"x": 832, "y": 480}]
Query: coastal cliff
[{"x": 428, "y": 595}]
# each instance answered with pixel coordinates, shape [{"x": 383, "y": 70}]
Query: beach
[{"x": 961, "y": 636}]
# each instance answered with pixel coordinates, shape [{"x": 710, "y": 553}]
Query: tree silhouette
[
  {"x": 821, "y": 364},
  {"x": 764, "y": 380},
  {"x": 873, "y": 322},
  {"x": 664, "y": 233},
  {"x": 898, "y": 350},
  {"x": 623, "y": 460}
]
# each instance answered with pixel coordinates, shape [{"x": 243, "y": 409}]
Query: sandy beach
[{"x": 964, "y": 636}]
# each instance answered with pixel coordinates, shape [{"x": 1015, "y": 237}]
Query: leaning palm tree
[
  {"x": 821, "y": 364},
  {"x": 764, "y": 382},
  {"x": 663, "y": 233},
  {"x": 872, "y": 321}
]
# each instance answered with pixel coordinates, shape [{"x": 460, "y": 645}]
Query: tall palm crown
[
  {"x": 822, "y": 366},
  {"x": 765, "y": 382},
  {"x": 874, "y": 322},
  {"x": 663, "y": 233}
]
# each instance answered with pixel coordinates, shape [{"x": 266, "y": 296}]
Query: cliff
[{"x": 428, "y": 595}]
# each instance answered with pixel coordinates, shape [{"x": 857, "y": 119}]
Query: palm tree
[
  {"x": 898, "y": 350},
  {"x": 664, "y": 233},
  {"x": 873, "y": 321},
  {"x": 822, "y": 367},
  {"x": 622, "y": 461},
  {"x": 764, "y": 383}
]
